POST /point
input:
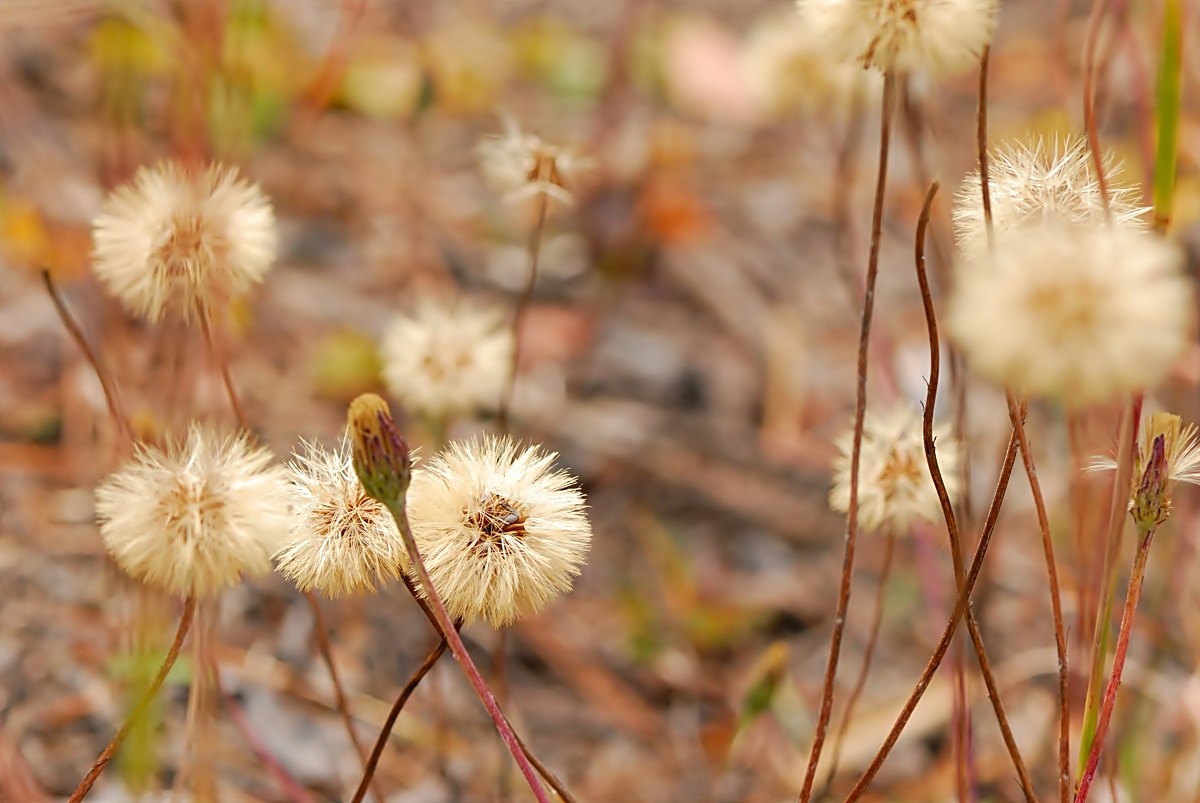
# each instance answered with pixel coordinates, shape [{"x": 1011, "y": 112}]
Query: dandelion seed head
[
  {"x": 521, "y": 165},
  {"x": 180, "y": 239},
  {"x": 342, "y": 540},
  {"x": 1076, "y": 314},
  {"x": 1031, "y": 183},
  {"x": 941, "y": 36},
  {"x": 501, "y": 531},
  {"x": 894, "y": 486},
  {"x": 194, "y": 517},
  {"x": 446, "y": 360}
]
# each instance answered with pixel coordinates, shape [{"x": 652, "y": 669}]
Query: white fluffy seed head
[
  {"x": 894, "y": 486},
  {"x": 1076, "y": 313},
  {"x": 194, "y": 517},
  {"x": 521, "y": 165},
  {"x": 178, "y": 239},
  {"x": 1030, "y": 183},
  {"x": 447, "y": 360},
  {"x": 939, "y": 36},
  {"x": 501, "y": 531},
  {"x": 342, "y": 541}
]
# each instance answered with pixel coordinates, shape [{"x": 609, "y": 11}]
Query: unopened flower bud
[
  {"x": 1151, "y": 504},
  {"x": 381, "y": 457}
]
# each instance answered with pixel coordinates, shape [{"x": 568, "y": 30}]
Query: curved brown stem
[
  {"x": 139, "y": 710},
  {"x": 943, "y": 645},
  {"x": 535, "y": 253},
  {"x": 860, "y": 682},
  {"x": 1090, "y": 126},
  {"x": 112, "y": 397},
  {"x": 216, "y": 352},
  {"x": 394, "y": 714},
  {"x": 973, "y": 629},
  {"x": 339, "y": 693},
  {"x": 860, "y": 410}
]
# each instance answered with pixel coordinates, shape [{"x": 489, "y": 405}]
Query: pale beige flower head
[
  {"x": 521, "y": 165},
  {"x": 194, "y": 517},
  {"x": 180, "y": 239},
  {"x": 895, "y": 487},
  {"x": 938, "y": 36},
  {"x": 1168, "y": 451},
  {"x": 501, "y": 531},
  {"x": 446, "y": 360},
  {"x": 342, "y": 540},
  {"x": 1078, "y": 314},
  {"x": 787, "y": 69},
  {"x": 1030, "y": 183}
]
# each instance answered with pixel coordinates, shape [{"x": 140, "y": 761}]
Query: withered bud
[
  {"x": 381, "y": 456},
  {"x": 1152, "y": 499}
]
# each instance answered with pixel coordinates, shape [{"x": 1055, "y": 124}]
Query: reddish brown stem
[
  {"x": 112, "y": 397},
  {"x": 976, "y": 634},
  {"x": 139, "y": 710},
  {"x": 535, "y": 252},
  {"x": 1091, "y": 127},
  {"x": 1114, "y": 682},
  {"x": 860, "y": 409},
  {"x": 216, "y": 352},
  {"x": 960, "y": 605},
  {"x": 1060, "y": 634},
  {"x": 394, "y": 714},
  {"x": 339, "y": 693}
]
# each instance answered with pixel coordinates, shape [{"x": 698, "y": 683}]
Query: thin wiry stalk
[
  {"x": 1089, "y": 100},
  {"x": 459, "y": 650},
  {"x": 139, "y": 710},
  {"x": 112, "y": 397},
  {"x": 872, "y": 639},
  {"x": 1114, "y": 681},
  {"x": 217, "y": 354},
  {"x": 333, "y": 66},
  {"x": 535, "y": 252},
  {"x": 1118, "y": 502},
  {"x": 1060, "y": 641},
  {"x": 1060, "y": 634},
  {"x": 960, "y": 605},
  {"x": 860, "y": 410},
  {"x": 386, "y": 731},
  {"x": 985, "y": 668},
  {"x": 339, "y": 693}
]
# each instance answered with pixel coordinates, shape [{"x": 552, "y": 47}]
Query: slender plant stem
[
  {"x": 943, "y": 645},
  {"x": 112, "y": 397},
  {"x": 217, "y": 354},
  {"x": 1114, "y": 682},
  {"x": 339, "y": 693},
  {"x": 394, "y": 714},
  {"x": 459, "y": 650},
  {"x": 860, "y": 410},
  {"x": 333, "y": 66},
  {"x": 535, "y": 253},
  {"x": 1118, "y": 502},
  {"x": 292, "y": 788},
  {"x": 860, "y": 682},
  {"x": 106, "y": 755},
  {"x": 1168, "y": 97},
  {"x": 1089, "y": 99},
  {"x": 985, "y": 668},
  {"x": 1060, "y": 634}
]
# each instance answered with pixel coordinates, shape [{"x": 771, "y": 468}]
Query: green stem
[{"x": 1167, "y": 112}]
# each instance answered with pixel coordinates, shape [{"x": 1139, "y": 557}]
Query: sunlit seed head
[
  {"x": 195, "y": 517},
  {"x": 1078, "y": 314},
  {"x": 1157, "y": 470},
  {"x": 342, "y": 540},
  {"x": 501, "y": 531},
  {"x": 1031, "y": 183},
  {"x": 446, "y": 360},
  {"x": 895, "y": 487},
  {"x": 521, "y": 165},
  {"x": 176, "y": 239},
  {"x": 938, "y": 36}
]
